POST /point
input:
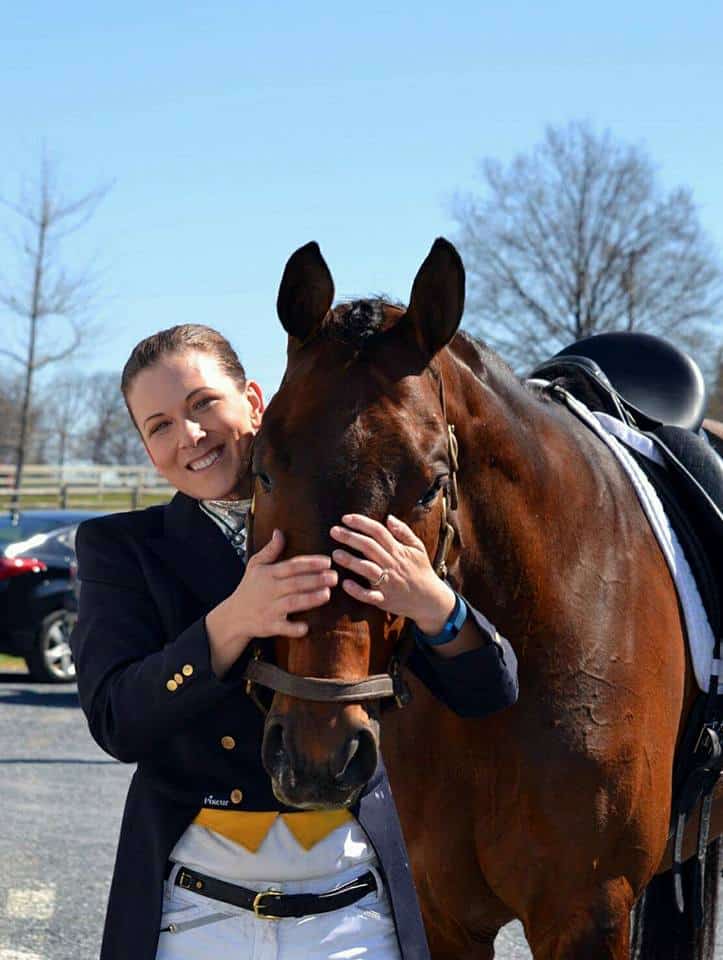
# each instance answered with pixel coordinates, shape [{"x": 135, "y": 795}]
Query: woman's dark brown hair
[{"x": 185, "y": 336}]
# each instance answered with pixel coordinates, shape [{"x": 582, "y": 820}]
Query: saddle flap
[{"x": 694, "y": 478}]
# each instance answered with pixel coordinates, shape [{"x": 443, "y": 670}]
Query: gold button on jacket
[
  {"x": 228, "y": 743},
  {"x": 236, "y": 796},
  {"x": 187, "y": 670},
  {"x": 172, "y": 685},
  {"x": 178, "y": 678}
]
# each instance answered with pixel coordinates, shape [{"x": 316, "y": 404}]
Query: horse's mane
[{"x": 482, "y": 359}]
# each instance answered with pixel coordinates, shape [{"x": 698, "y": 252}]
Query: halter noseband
[{"x": 380, "y": 685}]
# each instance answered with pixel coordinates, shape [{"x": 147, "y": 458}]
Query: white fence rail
[{"x": 97, "y": 486}]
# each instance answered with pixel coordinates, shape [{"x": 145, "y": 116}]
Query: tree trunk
[{"x": 30, "y": 369}]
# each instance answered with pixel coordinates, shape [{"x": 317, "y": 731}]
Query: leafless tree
[
  {"x": 8, "y": 416},
  {"x": 66, "y": 409},
  {"x": 51, "y": 305},
  {"x": 10, "y": 394},
  {"x": 108, "y": 435},
  {"x": 577, "y": 238}
]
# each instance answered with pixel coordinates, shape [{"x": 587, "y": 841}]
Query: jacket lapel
[{"x": 197, "y": 552}]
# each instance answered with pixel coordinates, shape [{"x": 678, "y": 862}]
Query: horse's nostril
[
  {"x": 273, "y": 747},
  {"x": 352, "y": 747},
  {"x": 360, "y": 760}
]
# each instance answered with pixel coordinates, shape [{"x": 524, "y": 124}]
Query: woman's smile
[{"x": 207, "y": 460}]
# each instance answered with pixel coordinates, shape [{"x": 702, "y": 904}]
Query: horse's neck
[
  {"x": 526, "y": 477},
  {"x": 505, "y": 429}
]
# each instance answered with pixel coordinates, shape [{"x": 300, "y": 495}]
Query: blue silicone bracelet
[{"x": 451, "y": 628}]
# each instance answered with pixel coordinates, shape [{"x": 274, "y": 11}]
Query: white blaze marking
[{"x": 37, "y": 903}]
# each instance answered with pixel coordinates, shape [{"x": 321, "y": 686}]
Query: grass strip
[
  {"x": 108, "y": 501},
  {"x": 11, "y": 663}
]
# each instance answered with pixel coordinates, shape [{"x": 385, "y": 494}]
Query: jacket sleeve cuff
[
  {"x": 188, "y": 665},
  {"x": 475, "y": 683}
]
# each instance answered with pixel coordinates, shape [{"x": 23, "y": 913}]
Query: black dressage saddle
[{"x": 654, "y": 382}]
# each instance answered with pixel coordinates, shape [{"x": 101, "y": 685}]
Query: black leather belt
[{"x": 272, "y": 904}]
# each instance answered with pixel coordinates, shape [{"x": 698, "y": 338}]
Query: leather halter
[{"x": 381, "y": 685}]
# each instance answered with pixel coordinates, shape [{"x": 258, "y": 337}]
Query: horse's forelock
[{"x": 358, "y": 322}]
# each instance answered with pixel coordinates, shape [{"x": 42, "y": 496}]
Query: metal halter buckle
[{"x": 258, "y": 904}]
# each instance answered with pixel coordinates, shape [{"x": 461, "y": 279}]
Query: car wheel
[{"x": 50, "y": 661}]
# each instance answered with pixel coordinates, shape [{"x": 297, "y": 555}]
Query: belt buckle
[
  {"x": 185, "y": 880},
  {"x": 258, "y": 904}
]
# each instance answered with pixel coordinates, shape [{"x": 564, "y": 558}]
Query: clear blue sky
[{"x": 235, "y": 132}]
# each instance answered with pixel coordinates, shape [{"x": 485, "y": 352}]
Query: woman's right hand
[{"x": 268, "y": 592}]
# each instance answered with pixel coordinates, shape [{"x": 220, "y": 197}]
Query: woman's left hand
[{"x": 394, "y": 561}]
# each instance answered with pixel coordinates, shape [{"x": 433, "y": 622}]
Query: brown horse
[{"x": 555, "y": 811}]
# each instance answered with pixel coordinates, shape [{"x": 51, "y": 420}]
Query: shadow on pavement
[
  {"x": 46, "y": 760},
  {"x": 48, "y": 697}
]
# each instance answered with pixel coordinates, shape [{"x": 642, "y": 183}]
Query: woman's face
[{"x": 197, "y": 423}]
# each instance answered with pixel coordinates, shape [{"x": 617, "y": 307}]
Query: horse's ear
[
  {"x": 437, "y": 300},
  {"x": 306, "y": 292}
]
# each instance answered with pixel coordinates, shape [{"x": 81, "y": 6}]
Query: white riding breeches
[{"x": 205, "y": 929}]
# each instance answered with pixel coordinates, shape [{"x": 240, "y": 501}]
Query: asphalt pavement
[{"x": 61, "y": 800}]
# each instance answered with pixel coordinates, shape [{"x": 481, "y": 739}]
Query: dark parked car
[{"x": 37, "y": 572}]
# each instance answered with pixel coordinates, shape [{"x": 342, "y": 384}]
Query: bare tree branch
[
  {"x": 575, "y": 238},
  {"x": 13, "y": 356},
  {"x": 53, "y": 303}
]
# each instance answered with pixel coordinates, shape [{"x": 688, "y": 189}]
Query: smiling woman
[
  {"x": 195, "y": 411},
  {"x": 168, "y": 608}
]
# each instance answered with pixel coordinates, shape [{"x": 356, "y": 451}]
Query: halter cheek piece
[{"x": 380, "y": 685}]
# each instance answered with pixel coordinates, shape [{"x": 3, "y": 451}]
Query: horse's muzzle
[{"x": 300, "y": 781}]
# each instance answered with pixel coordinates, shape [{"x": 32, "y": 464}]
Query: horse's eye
[
  {"x": 264, "y": 479},
  {"x": 429, "y": 496}
]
